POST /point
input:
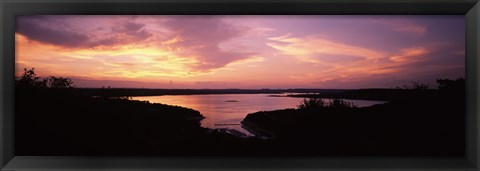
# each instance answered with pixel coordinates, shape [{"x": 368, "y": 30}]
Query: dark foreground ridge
[
  {"x": 53, "y": 118},
  {"x": 419, "y": 122},
  {"x": 55, "y": 122}
]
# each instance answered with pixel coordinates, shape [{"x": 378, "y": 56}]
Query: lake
[{"x": 227, "y": 110}]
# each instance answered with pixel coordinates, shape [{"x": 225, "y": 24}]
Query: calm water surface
[{"x": 227, "y": 110}]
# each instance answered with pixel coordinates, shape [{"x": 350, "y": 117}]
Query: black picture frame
[{"x": 10, "y": 8}]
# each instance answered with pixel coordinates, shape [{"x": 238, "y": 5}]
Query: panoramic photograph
[{"x": 240, "y": 85}]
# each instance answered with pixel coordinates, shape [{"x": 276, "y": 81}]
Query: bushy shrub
[
  {"x": 339, "y": 103},
  {"x": 317, "y": 103},
  {"x": 311, "y": 103}
]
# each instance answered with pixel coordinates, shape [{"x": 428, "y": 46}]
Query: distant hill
[{"x": 119, "y": 92}]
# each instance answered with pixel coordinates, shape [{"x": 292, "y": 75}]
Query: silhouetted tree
[
  {"x": 30, "y": 80},
  {"x": 59, "y": 82},
  {"x": 415, "y": 85},
  {"x": 450, "y": 85}
]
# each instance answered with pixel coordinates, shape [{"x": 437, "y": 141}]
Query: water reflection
[{"x": 227, "y": 110}]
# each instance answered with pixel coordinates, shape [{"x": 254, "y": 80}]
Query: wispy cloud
[
  {"x": 311, "y": 48},
  {"x": 349, "y": 62},
  {"x": 253, "y": 51},
  {"x": 203, "y": 36},
  {"x": 410, "y": 55},
  {"x": 405, "y": 26},
  {"x": 410, "y": 28}
]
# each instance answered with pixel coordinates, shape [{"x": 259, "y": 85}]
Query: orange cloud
[
  {"x": 311, "y": 48},
  {"x": 167, "y": 60},
  {"x": 411, "y": 28},
  {"x": 367, "y": 69},
  {"x": 370, "y": 63},
  {"x": 314, "y": 50},
  {"x": 409, "y": 54}
]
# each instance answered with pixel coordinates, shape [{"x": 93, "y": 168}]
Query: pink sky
[{"x": 242, "y": 51}]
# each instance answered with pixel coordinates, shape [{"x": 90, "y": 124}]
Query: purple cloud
[
  {"x": 56, "y": 30},
  {"x": 134, "y": 30},
  {"x": 32, "y": 27},
  {"x": 204, "y": 35}
]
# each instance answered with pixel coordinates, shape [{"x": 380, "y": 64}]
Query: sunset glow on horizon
[{"x": 246, "y": 52}]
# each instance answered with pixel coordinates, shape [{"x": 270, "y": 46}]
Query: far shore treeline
[
  {"x": 381, "y": 94},
  {"x": 53, "y": 117}
]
